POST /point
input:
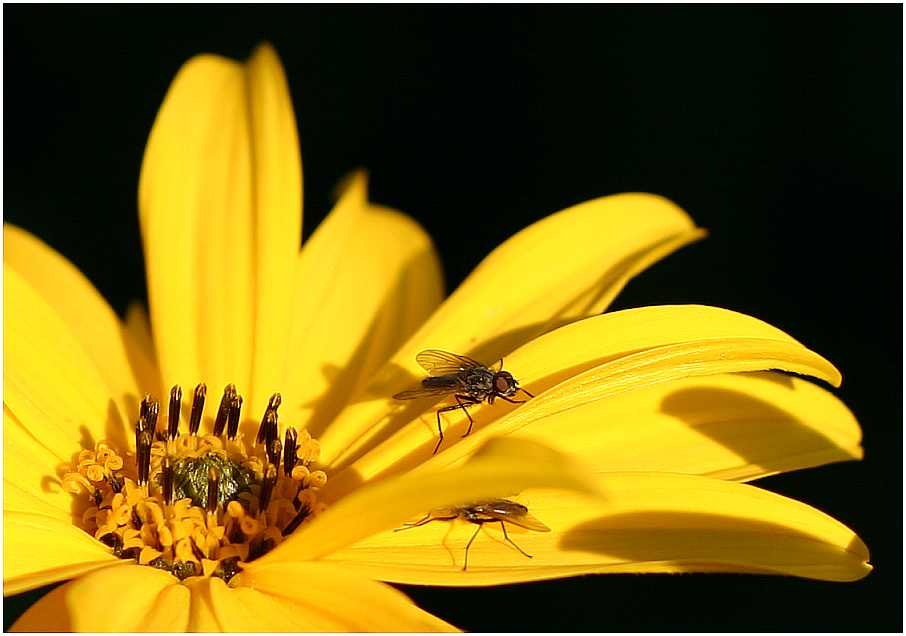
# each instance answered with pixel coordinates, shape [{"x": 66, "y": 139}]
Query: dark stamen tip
[
  {"x": 268, "y": 429},
  {"x": 197, "y": 408},
  {"x": 223, "y": 412},
  {"x": 271, "y": 432},
  {"x": 267, "y": 488},
  {"x": 289, "y": 451},
  {"x": 235, "y": 408},
  {"x": 151, "y": 419},
  {"x": 145, "y": 405},
  {"x": 175, "y": 404},
  {"x": 143, "y": 455}
]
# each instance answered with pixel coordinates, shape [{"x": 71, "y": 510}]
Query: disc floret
[{"x": 198, "y": 505}]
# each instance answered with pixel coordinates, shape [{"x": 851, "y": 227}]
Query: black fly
[
  {"x": 468, "y": 381},
  {"x": 502, "y": 511}
]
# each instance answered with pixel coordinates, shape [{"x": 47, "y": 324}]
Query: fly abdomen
[{"x": 451, "y": 382}]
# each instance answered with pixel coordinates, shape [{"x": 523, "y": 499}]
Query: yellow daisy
[{"x": 271, "y": 504}]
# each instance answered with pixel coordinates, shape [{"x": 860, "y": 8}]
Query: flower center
[{"x": 198, "y": 505}]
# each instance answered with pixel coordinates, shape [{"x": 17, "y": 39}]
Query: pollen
[{"x": 198, "y": 504}]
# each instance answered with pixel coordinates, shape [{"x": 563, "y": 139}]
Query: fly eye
[{"x": 504, "y": 384}]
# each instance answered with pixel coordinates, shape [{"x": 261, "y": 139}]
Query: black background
[{"x": 777, "y": 128}]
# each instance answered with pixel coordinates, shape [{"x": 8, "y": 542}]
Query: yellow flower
[{"x": 643, "y": 423}]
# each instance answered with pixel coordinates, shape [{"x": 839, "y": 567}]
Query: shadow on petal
[
  {"x": 756, "y": 422},
  {"x": 698, "y": 539}
]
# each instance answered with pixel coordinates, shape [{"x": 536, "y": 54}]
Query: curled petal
[
  {"x": 564, "y": 267},
  {"x": 648, "y": 522},
  {"x": 123, "y": 598},
  {"x": 501, "y": 467},
  {"x": 585, "y": 364},
  {"x": 365, "y": 281},
  {"x": 38, "y": 549}
]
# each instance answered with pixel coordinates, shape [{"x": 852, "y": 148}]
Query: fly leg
[
  {"x": 415, "y": 524},
  {"x": 459, "y": 405},
  {"x": 503, "y": 397},
  {"x": 469, "y": 415},
  {"x": 511, "y": 542},
  {"x": 426, "y": 519},
  {"x": 465, "y": 562}
]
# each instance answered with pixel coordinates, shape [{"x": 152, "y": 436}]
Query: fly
[
  {"x": 468, "y": 381},
  {"x": 502, "y": 511}
]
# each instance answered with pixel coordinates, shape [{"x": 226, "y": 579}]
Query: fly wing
[
  {"x": 426, "y": 391},
  {"x": 510, "y": 512},
  {"x": 528, "y": 521},
  {"x": 433, "y": 385},
  {"x": 437, "y": 362}
]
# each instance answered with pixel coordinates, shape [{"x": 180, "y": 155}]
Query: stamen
[
  {"x": 116, "y": 484},
  {"x": 274, "y": 448},
  {"x": 194, "y": 504},
  {"x": 143, "y": 408},
  {"x": 235, "y": 408},
  {"x": 289, "y": 451},
  {"x": 224, "y": 411},
  {"x": 197, "y": 408},
  {"x": 166, "y": 480},
  {"x": 272, "y": 432},
  {"x": 267, "y": 489},
  {"x": 175, "y": 403},
  {"x": 213, "y": 489},
  {"x": 143, "y": 456},
  {"x": 298, "y": 519},
  {"x": 268, "y": 429},
  {"x": 151, "y": 417}
]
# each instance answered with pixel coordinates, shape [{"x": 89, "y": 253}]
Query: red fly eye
[{"x": 504, "y": 383}]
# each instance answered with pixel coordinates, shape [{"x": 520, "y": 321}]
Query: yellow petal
[
  {"x": 645, "y": 369},
  {"x": 202, "y": 613},
  {"x": 587, "y": 361},
  {"x": 567, "y": 266},
  {"x": 38, "y": 550},
  {"x": 125, "y": 598},
  {"x": 29, "y": 474},
  {"x": 501, "y": 467},
  {"x": 88, "y": 316},
  {"x": 277, "y": 192},
  {"x": 649, "y": 522},
  {"x": 170, "y": 610},
  {"x": 733, "y": 426},
  {"x": 138, "y": 325},
  {"x": 17, "y": 499},
  {"x": 196, "y": 204},
  {"x": 226, "y": 609},
  {"x": 315, "y": 597},
  {"x": 365, "y": 280},
  {"x": 50, "y": 384}
]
